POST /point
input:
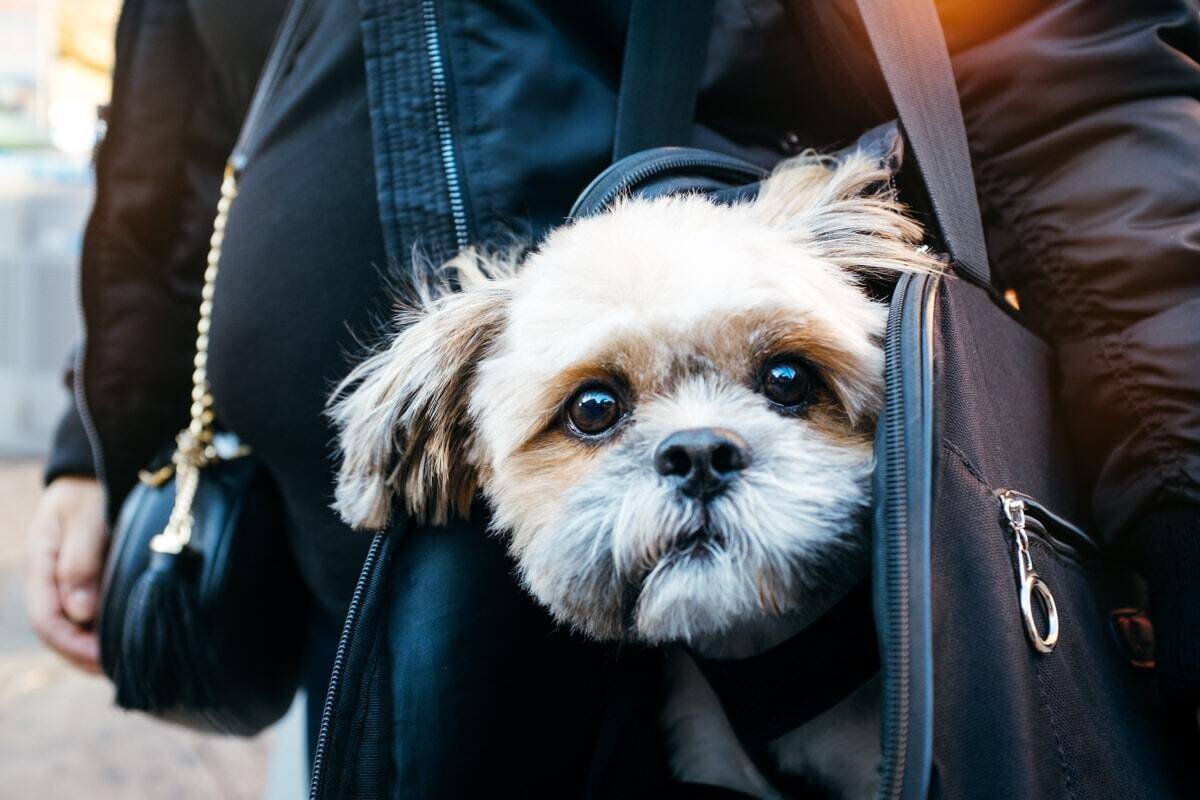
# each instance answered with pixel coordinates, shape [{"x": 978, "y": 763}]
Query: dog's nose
[{"x": 704, "y": 459}]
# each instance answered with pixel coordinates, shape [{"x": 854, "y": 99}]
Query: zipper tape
[{"x": 635, "y": 171}]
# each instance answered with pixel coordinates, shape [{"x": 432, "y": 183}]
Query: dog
[{"x": 669, "y": 407}]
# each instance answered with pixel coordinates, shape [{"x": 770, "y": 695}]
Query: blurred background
[{"x": 60, "y": 736}]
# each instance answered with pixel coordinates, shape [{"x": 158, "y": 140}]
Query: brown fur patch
[
  {"x": 545, "y": 468},
  {"x": 650, "y": 363},
  {"x": 405, "y": 424}
]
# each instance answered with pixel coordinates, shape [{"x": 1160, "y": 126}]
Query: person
[{"x": 429, "y": 126}]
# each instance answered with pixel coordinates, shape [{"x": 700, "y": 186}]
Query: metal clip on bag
[{"x": 202, "y": 613}]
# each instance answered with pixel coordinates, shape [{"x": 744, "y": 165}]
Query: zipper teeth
[
  {"x": 1078, "y": 547},
  {"x": 892, "y": 778},
  {"x": 1036, "y": 509},
  {"x": 335, "y": 676},
  {"x": 124, "y": 30},
  {"x": 437, "y": 67},
  {"x": 674, "y": 162},
  {"x": 77, "y": 383},
  {"x": 77, "y": 388}
]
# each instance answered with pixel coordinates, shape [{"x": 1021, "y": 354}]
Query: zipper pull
[{"x": 1014, "y": 512}]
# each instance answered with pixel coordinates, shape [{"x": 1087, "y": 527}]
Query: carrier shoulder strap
[
  {"x": 908, "y": 41},
  {"x": 665, "y": 50},
  {"x": 664, "y": 58}
]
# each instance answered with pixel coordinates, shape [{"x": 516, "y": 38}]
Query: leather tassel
[{"x": 164, "y": 659}]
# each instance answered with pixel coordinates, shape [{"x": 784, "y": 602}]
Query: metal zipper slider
[{"x": 1014, "y": 512}]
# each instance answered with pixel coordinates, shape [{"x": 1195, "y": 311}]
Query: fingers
[
  {"x": 80, "y": 560},
  {"x": 76, "y": 644},
  {"x": 52, "y": 526}
]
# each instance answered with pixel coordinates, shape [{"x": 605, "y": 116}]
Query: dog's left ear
[
  {"x": 402, "y": 414},
  {"x": 845, "y": 207}
]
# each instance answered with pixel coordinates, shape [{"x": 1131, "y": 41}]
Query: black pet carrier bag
[{"x": 998, "y": 619}]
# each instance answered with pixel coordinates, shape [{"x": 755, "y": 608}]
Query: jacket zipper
[
  {"x": 446, "y": 148},
  {"x": 81, "y": 405},
  {"x": 124, "y": 31},
  {"x": 335, "y": 676},
  {"x": 437, "y": 69},
  {"x": 125, "y": 28}
]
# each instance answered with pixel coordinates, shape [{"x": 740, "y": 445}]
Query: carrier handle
[{"x": 665, "y": 49}]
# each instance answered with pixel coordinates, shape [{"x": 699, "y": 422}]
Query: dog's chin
[{"x": 699, "y": 592}]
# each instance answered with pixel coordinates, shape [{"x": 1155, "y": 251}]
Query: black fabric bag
[
  {"x": 1012, "y": 667},
  {"x": 973, "y": 707},
  {"x": 1015, "y": 660}
]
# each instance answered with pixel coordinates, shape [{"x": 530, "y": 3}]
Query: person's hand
[{"x": 64, "y": 558}]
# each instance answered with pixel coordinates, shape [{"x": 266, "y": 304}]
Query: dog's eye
[
  {"x": 789, "y": 381},
  {"x": 593, "y": 410}
]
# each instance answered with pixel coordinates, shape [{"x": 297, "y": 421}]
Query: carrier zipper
[
  {"x": 665, "y": 165},
  {"x": 605, "y": 189},
  {"x": 1060, "y": 534},
  {"x": 896, "y": 634},
  {"x": 902, "y": 520},
  {"x": 1014, "y": 507},
  {"x": 441, "y": 110},
  {"x": 335, "y": 676}
]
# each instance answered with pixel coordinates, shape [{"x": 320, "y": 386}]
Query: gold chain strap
[{"x": 194, "y": 447}]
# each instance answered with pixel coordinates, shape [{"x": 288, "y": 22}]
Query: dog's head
[{"x": 669, "y": 406}]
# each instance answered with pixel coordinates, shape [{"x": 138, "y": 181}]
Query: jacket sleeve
[
  {"x": 70, "y": 450},
  {"x": 1084, "y": 121},
  {"x": 158, "y": 171}
]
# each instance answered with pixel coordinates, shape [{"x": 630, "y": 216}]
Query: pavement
[{"x": 61, "y": 736}]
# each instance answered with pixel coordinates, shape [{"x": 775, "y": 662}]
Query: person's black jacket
[{"x": 1084, "y": 125}]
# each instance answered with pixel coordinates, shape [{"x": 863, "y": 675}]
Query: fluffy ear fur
[
  {"x": 402, "y": 413},
  {"x": 847, "y": 209}
]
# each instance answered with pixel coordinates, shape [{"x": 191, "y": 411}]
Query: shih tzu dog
[{"x": 670, "y": 408}]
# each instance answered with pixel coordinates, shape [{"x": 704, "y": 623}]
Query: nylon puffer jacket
[{"x": 1084, "y": 127}]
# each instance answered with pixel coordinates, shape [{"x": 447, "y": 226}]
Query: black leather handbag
[
  {"x": 203, "y": 610},
  {"x": 1016, "y": 656}
]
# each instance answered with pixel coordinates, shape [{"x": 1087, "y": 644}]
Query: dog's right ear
[
  {"x": 402, "y": 414},
  {"x": 846, "y": 209}
]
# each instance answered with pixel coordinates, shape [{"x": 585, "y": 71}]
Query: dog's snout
[{"x": 703, "y": 459}]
